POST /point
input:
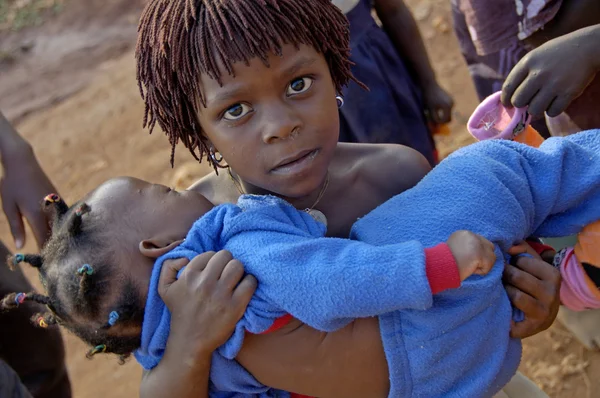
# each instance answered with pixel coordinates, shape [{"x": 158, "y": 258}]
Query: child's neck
[{"x": 308, "y": 201}]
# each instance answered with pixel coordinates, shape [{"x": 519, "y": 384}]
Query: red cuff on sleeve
[
  {"x": 539, "y": 247},
  {"x": 441, "y": 268}
]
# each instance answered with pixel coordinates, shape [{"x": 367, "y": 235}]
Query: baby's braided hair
[
  {"x": 80, "y": 296},
  {"x": 180, "y": 39}
]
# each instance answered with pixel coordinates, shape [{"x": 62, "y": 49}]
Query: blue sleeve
[
  {"x": 324, "y": 282},
  {"x": 502, "y": 190}
]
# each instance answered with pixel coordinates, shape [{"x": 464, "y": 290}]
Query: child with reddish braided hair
[
  {"x": 268, "y": 73},
  {"x": 102, "y": 266}
]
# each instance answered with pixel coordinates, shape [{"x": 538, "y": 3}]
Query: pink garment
[
  {"x": 575, "y": 291},
  {"x": 492, "y": 120}
]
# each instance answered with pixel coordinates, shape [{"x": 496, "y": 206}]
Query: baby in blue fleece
[{"x": 500, "y": 190}]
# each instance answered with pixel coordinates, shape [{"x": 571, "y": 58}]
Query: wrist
[
  {"x": 188, "y": 347},
  {"x": 441, "y": 268}
]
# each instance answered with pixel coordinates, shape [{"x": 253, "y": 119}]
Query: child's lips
[{"x": 296, "y": 163}]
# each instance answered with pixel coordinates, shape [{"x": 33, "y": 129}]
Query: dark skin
[
  {"x": 543, "y": 80},
  {"x": 148, "y": 220},
  {"x": 37, "y": 355},
  {"x": 266, "y": 116},
  {"x": 572, "y": 15},
  {"x": 22, "y": 186},
  {"x": 402, "y": 29}
]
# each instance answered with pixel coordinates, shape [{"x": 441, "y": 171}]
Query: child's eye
[
  {"x": 236, "y": 112},
  {"x": 299, "y": 85}
]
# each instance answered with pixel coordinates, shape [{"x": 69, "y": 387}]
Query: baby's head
[{"x": 97, "y": 263}]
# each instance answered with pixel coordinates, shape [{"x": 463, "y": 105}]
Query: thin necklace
[{"x": 308, "y": 209}]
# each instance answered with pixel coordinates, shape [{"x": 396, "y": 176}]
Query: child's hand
[
  {"x": 533, "y": 286},
  {"x": 23, "y": 186},
  {"x": 552, "y": 76},
  {"x": 438, "y": 104},
  {"x": 207, "y": 300},
  {"x": 473, "y": 253}
]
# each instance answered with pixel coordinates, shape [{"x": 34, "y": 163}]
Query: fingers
[
  {"x": 217, "y": 264},
  {"x": 232, "y": 274},
  {"x": 525, "y": 92},
  {"x": 539, "y": 268},
  {"x": 541, "y": 102},
  {"x": 489, "y": 257},
  {"x": 519, "y": 279},
  {"x": 15, "y": 221},
  {"x": 39, "y": 225},
  {"x": 523, "y": 248},
  {"x": 523, "y": 301},
  {"x": 559, "y": 105},
  {"x": 512, "y": 83},
  {"x": 168, "y": 274},
  {"x": 244, "y": 291},
  {"x": 521, "y": 330}
]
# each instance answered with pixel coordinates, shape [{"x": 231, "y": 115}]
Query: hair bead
[{"x": 85, "y": 269}]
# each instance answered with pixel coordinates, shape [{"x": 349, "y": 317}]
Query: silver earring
[
  {"x": 215, "y": 156},
  {"x": 340, "y": 101}
]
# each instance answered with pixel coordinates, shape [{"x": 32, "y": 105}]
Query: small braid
[
  {"x": 34, "y": 260},
  {"x": 81, "y": 297},
  {"x": 44, "y": 320},
  {"x": 13, "y": 300},
  {"x": 55, "y": 205}
]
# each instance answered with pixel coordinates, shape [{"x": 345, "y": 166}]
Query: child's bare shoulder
[
  {"x": 390, "y": 168},
  {"x": 215, "y": 189}
]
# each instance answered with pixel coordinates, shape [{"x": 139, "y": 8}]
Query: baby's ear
[{"x": 156, "y": 247}]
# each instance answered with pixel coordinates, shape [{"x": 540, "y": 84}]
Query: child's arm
[
  {"x": 544, "y": 78},
  {"x": 571, "y": 16},
  {"x": 402, "y": 29},
  {"x": 214, "y": 294},
  {"x": 326, "y": 282},
  {"x": 502, "y": 190}
]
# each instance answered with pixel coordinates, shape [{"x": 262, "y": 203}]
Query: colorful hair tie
[
  {"x": 20, "y": 298},
  {"x": 113, "y": 317},
  {"x": 42, "y": 322},
  {"x": 18, "y": 258},
  {"x": 85, "y": 269},
  {"x": 52, "y": 198},
  {"x": 98, "y": 349},
  {"x": 81, "y": 210}
]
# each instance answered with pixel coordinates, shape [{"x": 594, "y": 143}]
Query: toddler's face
[
  {"x": 138, "y": 208},
  {"x": 143, "y": 221}
]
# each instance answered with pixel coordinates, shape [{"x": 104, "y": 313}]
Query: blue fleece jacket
[{"x": 460, "y": 346}]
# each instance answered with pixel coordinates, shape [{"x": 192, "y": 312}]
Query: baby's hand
[{"x": 473, "y": 253}]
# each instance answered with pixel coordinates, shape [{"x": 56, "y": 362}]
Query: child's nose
[{"x": 281, "y": 121}]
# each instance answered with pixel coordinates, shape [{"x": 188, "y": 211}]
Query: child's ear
[{"x": 156, "y": 247}]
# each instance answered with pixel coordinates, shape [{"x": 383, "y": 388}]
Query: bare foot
[{"x": 584, "y": 325}]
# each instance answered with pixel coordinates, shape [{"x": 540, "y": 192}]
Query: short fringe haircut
[{"x": 180, "y": 39}]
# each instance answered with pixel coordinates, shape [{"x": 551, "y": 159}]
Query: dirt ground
[{"x": 69, "y": 85}]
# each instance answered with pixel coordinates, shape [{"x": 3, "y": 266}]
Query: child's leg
[
  {"x": 521, "y": 387},
  {"x": 36, "y": 354}
]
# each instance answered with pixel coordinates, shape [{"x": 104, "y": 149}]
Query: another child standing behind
[
  {"x": 392, "y": 62},
  {"x": 495, "y": 35}
]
